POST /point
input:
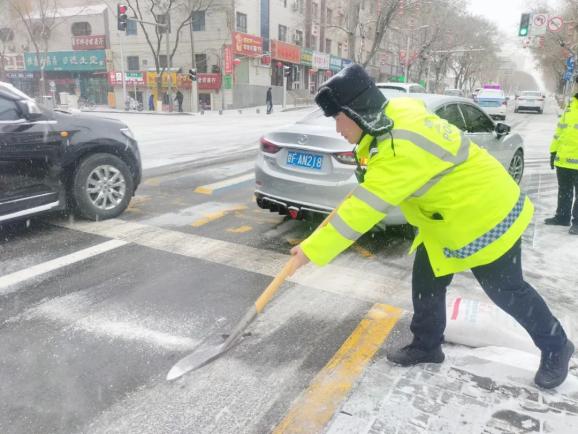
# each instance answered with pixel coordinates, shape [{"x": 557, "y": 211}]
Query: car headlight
[{"x": 128, "y": 133}]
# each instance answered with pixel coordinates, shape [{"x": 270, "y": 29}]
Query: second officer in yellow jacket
[
  {"x": 469, "y": 213},
  {"x": 564, "y": 156}
]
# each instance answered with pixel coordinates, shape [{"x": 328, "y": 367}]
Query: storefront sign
[
  {"x": 228, "y": 60},
  {"x": 20, "y": 75},
  {"x": 307, "y": 57},
  {"x": 247, "y": 45},
  {"x": 115, "y": 78},
  {"x": 285, "y": 52},
  {"x": 208, "y": 81},
  {"x": 151, "y": 79},
  {"x": 335, "y": 63},
  {"x": 92, "y": 42},
  {"x": 13, "y": 62},
  {"x": 228, "y": 82},
  {"x": 320, "y": 60},
  {"x": 93, "y": 60}
]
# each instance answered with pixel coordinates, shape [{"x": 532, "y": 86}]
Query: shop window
[
  {"x": 131, "y": 27},
  {"x": 241, "y": 22},
  {"x": 282, "y": 33},
  {"x": 133, "y": 63},
  {"x": 81, "y": 28},
  {"x": 198, "y": 21},
  {"x": 328, "y": 46},
  {"x": 201, "y": 62}
]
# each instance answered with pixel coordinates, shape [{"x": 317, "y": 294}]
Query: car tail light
[
  {"x": 345, "y": 157},
  {"x": 268, "y": 147}
]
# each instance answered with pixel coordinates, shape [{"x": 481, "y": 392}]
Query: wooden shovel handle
[{"x": 286, "y": 271}]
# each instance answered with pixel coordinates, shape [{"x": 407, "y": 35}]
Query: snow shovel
[{"x": 200, "y": 357}]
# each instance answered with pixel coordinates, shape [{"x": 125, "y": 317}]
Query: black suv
[{"x": 52, "y": 159}]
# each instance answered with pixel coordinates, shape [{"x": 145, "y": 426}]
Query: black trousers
[
  {"x": 502, "y": 281},
  {"x": 567, "y": 192}
]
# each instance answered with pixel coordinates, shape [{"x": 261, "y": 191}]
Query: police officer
[
  {"x": 469, "y": 212},
  {"x": 564, "y": 156}
]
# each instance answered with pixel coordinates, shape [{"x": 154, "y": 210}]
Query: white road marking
[
  {"x": 8, "y": 282},
  {"x": 332, "y": 278},
  {"x": 210, "y": 188}
]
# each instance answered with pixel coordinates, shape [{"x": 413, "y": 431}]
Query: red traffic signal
[{"x": 122, "y": 18}]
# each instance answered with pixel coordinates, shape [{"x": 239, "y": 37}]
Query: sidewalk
[
  {"x": 485, "y": 390},
  {"x": 262, "y": 109}
]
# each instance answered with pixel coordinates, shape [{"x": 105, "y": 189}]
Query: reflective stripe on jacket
[
  {"x": 467, "y": 208},
  {"x": 565, "y": 142}
]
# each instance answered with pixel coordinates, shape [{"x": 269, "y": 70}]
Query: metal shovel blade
[{"x": 195, "y": 360}]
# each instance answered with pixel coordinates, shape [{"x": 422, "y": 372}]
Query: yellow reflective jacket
[
  {"x": 467, "y": 208},
  {"x": 565, "y": 142}
]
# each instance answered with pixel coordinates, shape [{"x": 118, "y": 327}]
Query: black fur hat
[{"x": 354, "y": 93}]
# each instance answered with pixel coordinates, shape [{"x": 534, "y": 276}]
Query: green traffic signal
[{"x": 524, "y": 25}]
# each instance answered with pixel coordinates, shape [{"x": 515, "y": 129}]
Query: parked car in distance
[
  {"x": 475, "y": 93},
  {"x": 493, "y": 102},
  {"x": 394, "y": 88},
  {"x": 52, "y": 160},
  {"x": 308, "y": 168},
  {"x": 454, "y": 92},
  {"x": 530, "y": 100}
]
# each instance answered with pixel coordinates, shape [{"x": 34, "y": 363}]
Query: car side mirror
[
  {"x": 29, "y": 110},
  {"x": 502, "y": 129}
]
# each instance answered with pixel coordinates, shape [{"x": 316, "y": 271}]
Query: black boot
[
  {"x": 554, "y": 367},
  {"x": 573, "y": 229},
  {"x": 557, "y": 221},
  {"x": 412, "y": 355}
]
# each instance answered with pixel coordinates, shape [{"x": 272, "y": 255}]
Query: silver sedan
[{"x": 308, "y": 168}]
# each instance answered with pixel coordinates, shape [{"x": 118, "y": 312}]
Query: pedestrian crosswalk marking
[
  {"x": 8, "y": 282},
  {"x": 332, "y": 278},
  {"x": 211, "y": 188}
]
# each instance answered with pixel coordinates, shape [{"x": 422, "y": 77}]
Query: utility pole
[
  {"x": 122, "y": 70},
  {"x": 168, "y": 48}
]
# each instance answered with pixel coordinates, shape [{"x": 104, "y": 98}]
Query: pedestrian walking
[
  {"x": 179, "y": 99},
  {"x": 269, "y": 101},
  {"x": 151, "y": 102},
  {"x": 564, "y": 158},
  {"x": 469, "y": 212}
]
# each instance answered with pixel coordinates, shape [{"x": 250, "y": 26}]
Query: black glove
[{"x": 552, "y": 158}]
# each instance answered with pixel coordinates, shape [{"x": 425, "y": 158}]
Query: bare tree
[
  {"x": 39, "y": 19},
  {"x": 154, "y": 16},
  {"x": 6, "y": 37}
]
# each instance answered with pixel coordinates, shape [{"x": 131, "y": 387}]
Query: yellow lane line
[
  {"x": 211, "y": 217},
  {"x": 362, "y": 251},
  {"x": 240, "y": 229},
  {"x": 315, "y": 407},
  {"x": 152, "y": 182}
]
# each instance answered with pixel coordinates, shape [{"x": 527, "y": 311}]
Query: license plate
[{"x": 304, "y": 159}]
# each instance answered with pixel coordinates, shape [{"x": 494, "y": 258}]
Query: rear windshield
[
  {"x": 315, "y": 117},
  {"x": 489, "y": 93},
  {"x": 392, "y": 91},
  {"x": 531, "y": 93}
]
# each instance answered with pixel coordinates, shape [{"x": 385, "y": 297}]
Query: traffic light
[
  {"x": 122, "y": 18},
  {"x": 193, "y": 74},
  {"x": 524, "y": 25}
]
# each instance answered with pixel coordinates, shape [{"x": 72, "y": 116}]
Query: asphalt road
[{"x": 93, "y": 315}]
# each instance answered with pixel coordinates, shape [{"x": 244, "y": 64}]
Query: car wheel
[
  {"x": 102, "y": 187},
  {"x": 516, "y": 169}
]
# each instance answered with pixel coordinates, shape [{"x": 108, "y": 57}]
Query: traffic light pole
[{"x": 122, "y": 71}]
